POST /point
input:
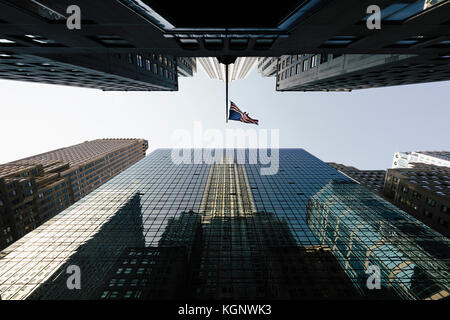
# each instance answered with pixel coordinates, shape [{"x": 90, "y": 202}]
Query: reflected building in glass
[
  {"x": 366, "y": 232},
  {"x": 161, "y": 230}
]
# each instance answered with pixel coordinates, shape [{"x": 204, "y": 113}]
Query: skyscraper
[
  {"x": 422, "y": 190},
  {"x": 268, "y": 66},
  {"x": 337, "y": 72},
  {"x": 35, "y": 189},
  {"x": 109, "y": 72},
  {"x": 290, "y": 27},
  {"x": 240, "y": 69},
  {"x": 224, "y": 230}
]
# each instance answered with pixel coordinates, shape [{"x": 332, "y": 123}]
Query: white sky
[{"x": 362, "y": 128}]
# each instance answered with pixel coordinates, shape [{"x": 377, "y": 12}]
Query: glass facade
[
  {"x": 363, "y": 230},
  {"x": 161, "y": 230}
]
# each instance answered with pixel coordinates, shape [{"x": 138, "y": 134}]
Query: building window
[
  {"x": 340, "y": 41},
  {"x": 139, "y": 60},
  {"x": 314, "y": 60},
  {"x": 444, "y": 208},
  {"x": 431, "y": 202},
  {"x": 305, "y": 65},
  {"x": 443, "y": 222},
  {"x": 416, "y": 195},
  {"x": 427, "y": 213},
  {"x": 112, "y": 41},
  {"x": 39, "y": 39},
  {"x": 410, "y": 42}
]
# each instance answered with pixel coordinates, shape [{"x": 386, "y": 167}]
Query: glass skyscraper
[{"x": 162, "y": 230}]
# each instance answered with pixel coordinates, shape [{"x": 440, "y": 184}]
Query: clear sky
[{"x": 362, "y": 128}]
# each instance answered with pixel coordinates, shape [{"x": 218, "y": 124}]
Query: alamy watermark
[
  {"x": 374, "y": 280},
  {"x": 73, "y": 21},
  {"x": 373, "y": 21},
  {"x": 74, "y": 280},
  {"x": 249, "y": 146}
]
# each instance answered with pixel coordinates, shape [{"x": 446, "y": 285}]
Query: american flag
[{"x": 238, "y": 115}]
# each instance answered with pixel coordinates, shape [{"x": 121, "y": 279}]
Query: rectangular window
[
  {"x": 431, "y": 202},
  {"x": 305, "y": 65},
  {"x": 139, "y": 60},
  {"x": 314, "y": 61}
]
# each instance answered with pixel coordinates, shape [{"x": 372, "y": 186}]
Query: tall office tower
[
  {"x": 290, "y": 27},
  {"x": 111, "y": 31},
  {"x": 240, "y": 69},
  {"x": 372, "y": 179},
  {"x": 412, "y": 159},
  {"x": 171, "y": 229},
  {"x": 267, "y": 66},
  {"x": 35, "y": 189},
  {"x": 337, "y": 72},
  {"x": 186, "y": 67},
  {"x": 424, "y": 192},
  {"x": 109, "y": 71}
]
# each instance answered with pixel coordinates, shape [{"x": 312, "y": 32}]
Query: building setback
[
  {"x": 420, "y": 189},
  {"x": 337, "y": 72},
  {"x": 223, "y": 230},
  {"x": 240, "y": 69},
  {"x": 372, "y": 179},
  {"x": 35, "y": 189},
  {"x": 423, "y": 191}
]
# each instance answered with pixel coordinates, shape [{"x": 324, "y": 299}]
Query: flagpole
[{"x": 226, "y": 92}]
